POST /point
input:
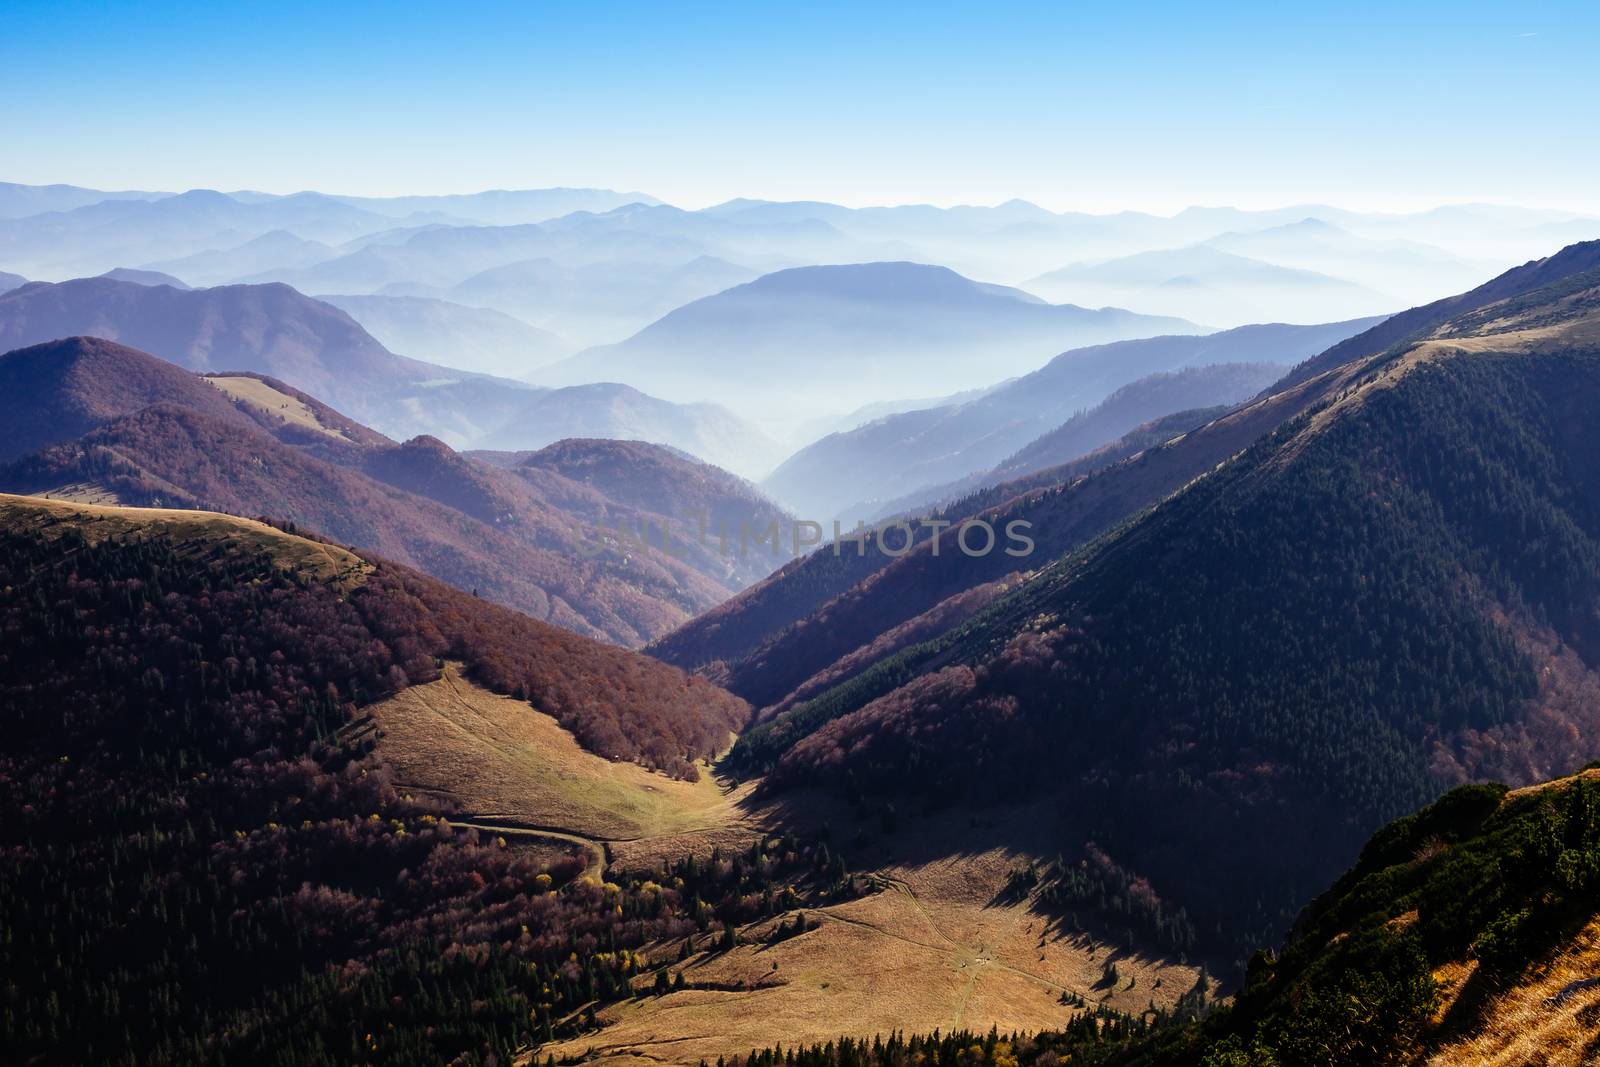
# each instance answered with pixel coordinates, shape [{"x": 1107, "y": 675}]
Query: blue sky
[{"x": 1091, "y": 106}]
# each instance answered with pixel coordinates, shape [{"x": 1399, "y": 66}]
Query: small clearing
[
  {"x": 263, "y": 397},
  {"x": 504, "y": 762}
]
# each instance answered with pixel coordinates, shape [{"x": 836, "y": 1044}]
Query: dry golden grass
[
  {"x": 1532, "y": 1023},
  {"x": 933, "y": 949},
  {"x": 81, "y": 493},
  {"x": 258, "y": 394},
  {"x": 1571, "y": 322},
  {"x": 51, "y": 518},
  {"x": 503, "y": 761},
  {"x": 1592, "y": 774}
]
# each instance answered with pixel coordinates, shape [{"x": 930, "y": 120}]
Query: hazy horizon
[
  {"x": 1082, "y": 109},
  {"x": 1163, "y": 211}
]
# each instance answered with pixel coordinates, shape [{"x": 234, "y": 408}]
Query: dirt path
[{"x": 595, "y": 850}]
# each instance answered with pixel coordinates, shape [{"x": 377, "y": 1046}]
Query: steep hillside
[
  {"x": 60, "y": 390},
  {"x": 412, "y": 865},
  {"x": 891, "y": 458},
  {"x": 793, "y": 624},
  {"x": 57, "y": 391},
  {"x": 1570, "y": 261},
  {"x": 769, "y": 638},
  {"x": 1465, "y": 934},
  {"x": 1395, "y": 590},
  {"x": 853, "y": 334},
  {"x": 808, "y": 614},
  {"x": 205, "y": 860}
]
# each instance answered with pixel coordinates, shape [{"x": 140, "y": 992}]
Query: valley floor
[{"x": 937, "y": 945}]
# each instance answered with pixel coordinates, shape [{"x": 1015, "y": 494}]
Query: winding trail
[{"x": 597, "y": 851}]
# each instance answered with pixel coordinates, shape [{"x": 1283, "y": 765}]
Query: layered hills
[
  {"x": 319, "y": 746},
  {"x": 314, "y": 346},
  {"x": 894, "y": 457},
  {"x": 267, "y": 329},
  {"x": 96, "y": 420},
  {"x": 1203, "y": 280},
  {"x": 813, "y": 339}
]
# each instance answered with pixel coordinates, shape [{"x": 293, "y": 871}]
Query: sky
[{"x": 1099, "y": 107}]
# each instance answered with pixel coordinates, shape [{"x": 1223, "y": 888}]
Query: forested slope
[
  {"x": 200, "y": 868},
  {"x": 784, "y": 630}
]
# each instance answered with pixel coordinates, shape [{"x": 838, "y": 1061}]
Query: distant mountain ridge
[
  {"x": 20, "y": 201},
  {"x": 270, "y": 329},
  {"x": 479, "y": 340},
  {"x": 855, "y": 474},
  {"x": 709, "y": 431},
  {"x": 1211, "y": 285},
  {"x": 814, "y": 339},
  {"x": 145, "y": 277},
  {"x": 1167, "y": 398}
]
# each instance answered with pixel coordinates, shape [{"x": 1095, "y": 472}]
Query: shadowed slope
[{"x": 1395, "y": 590}]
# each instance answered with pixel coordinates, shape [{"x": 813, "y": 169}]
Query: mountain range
[
  {"x": 94, "y": 420},
  {"x": 426, "y": 246},
  {"x": 1197, "y": 697}
]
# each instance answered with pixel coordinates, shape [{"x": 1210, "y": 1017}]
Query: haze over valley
[{"x": 763, "y": 322}]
